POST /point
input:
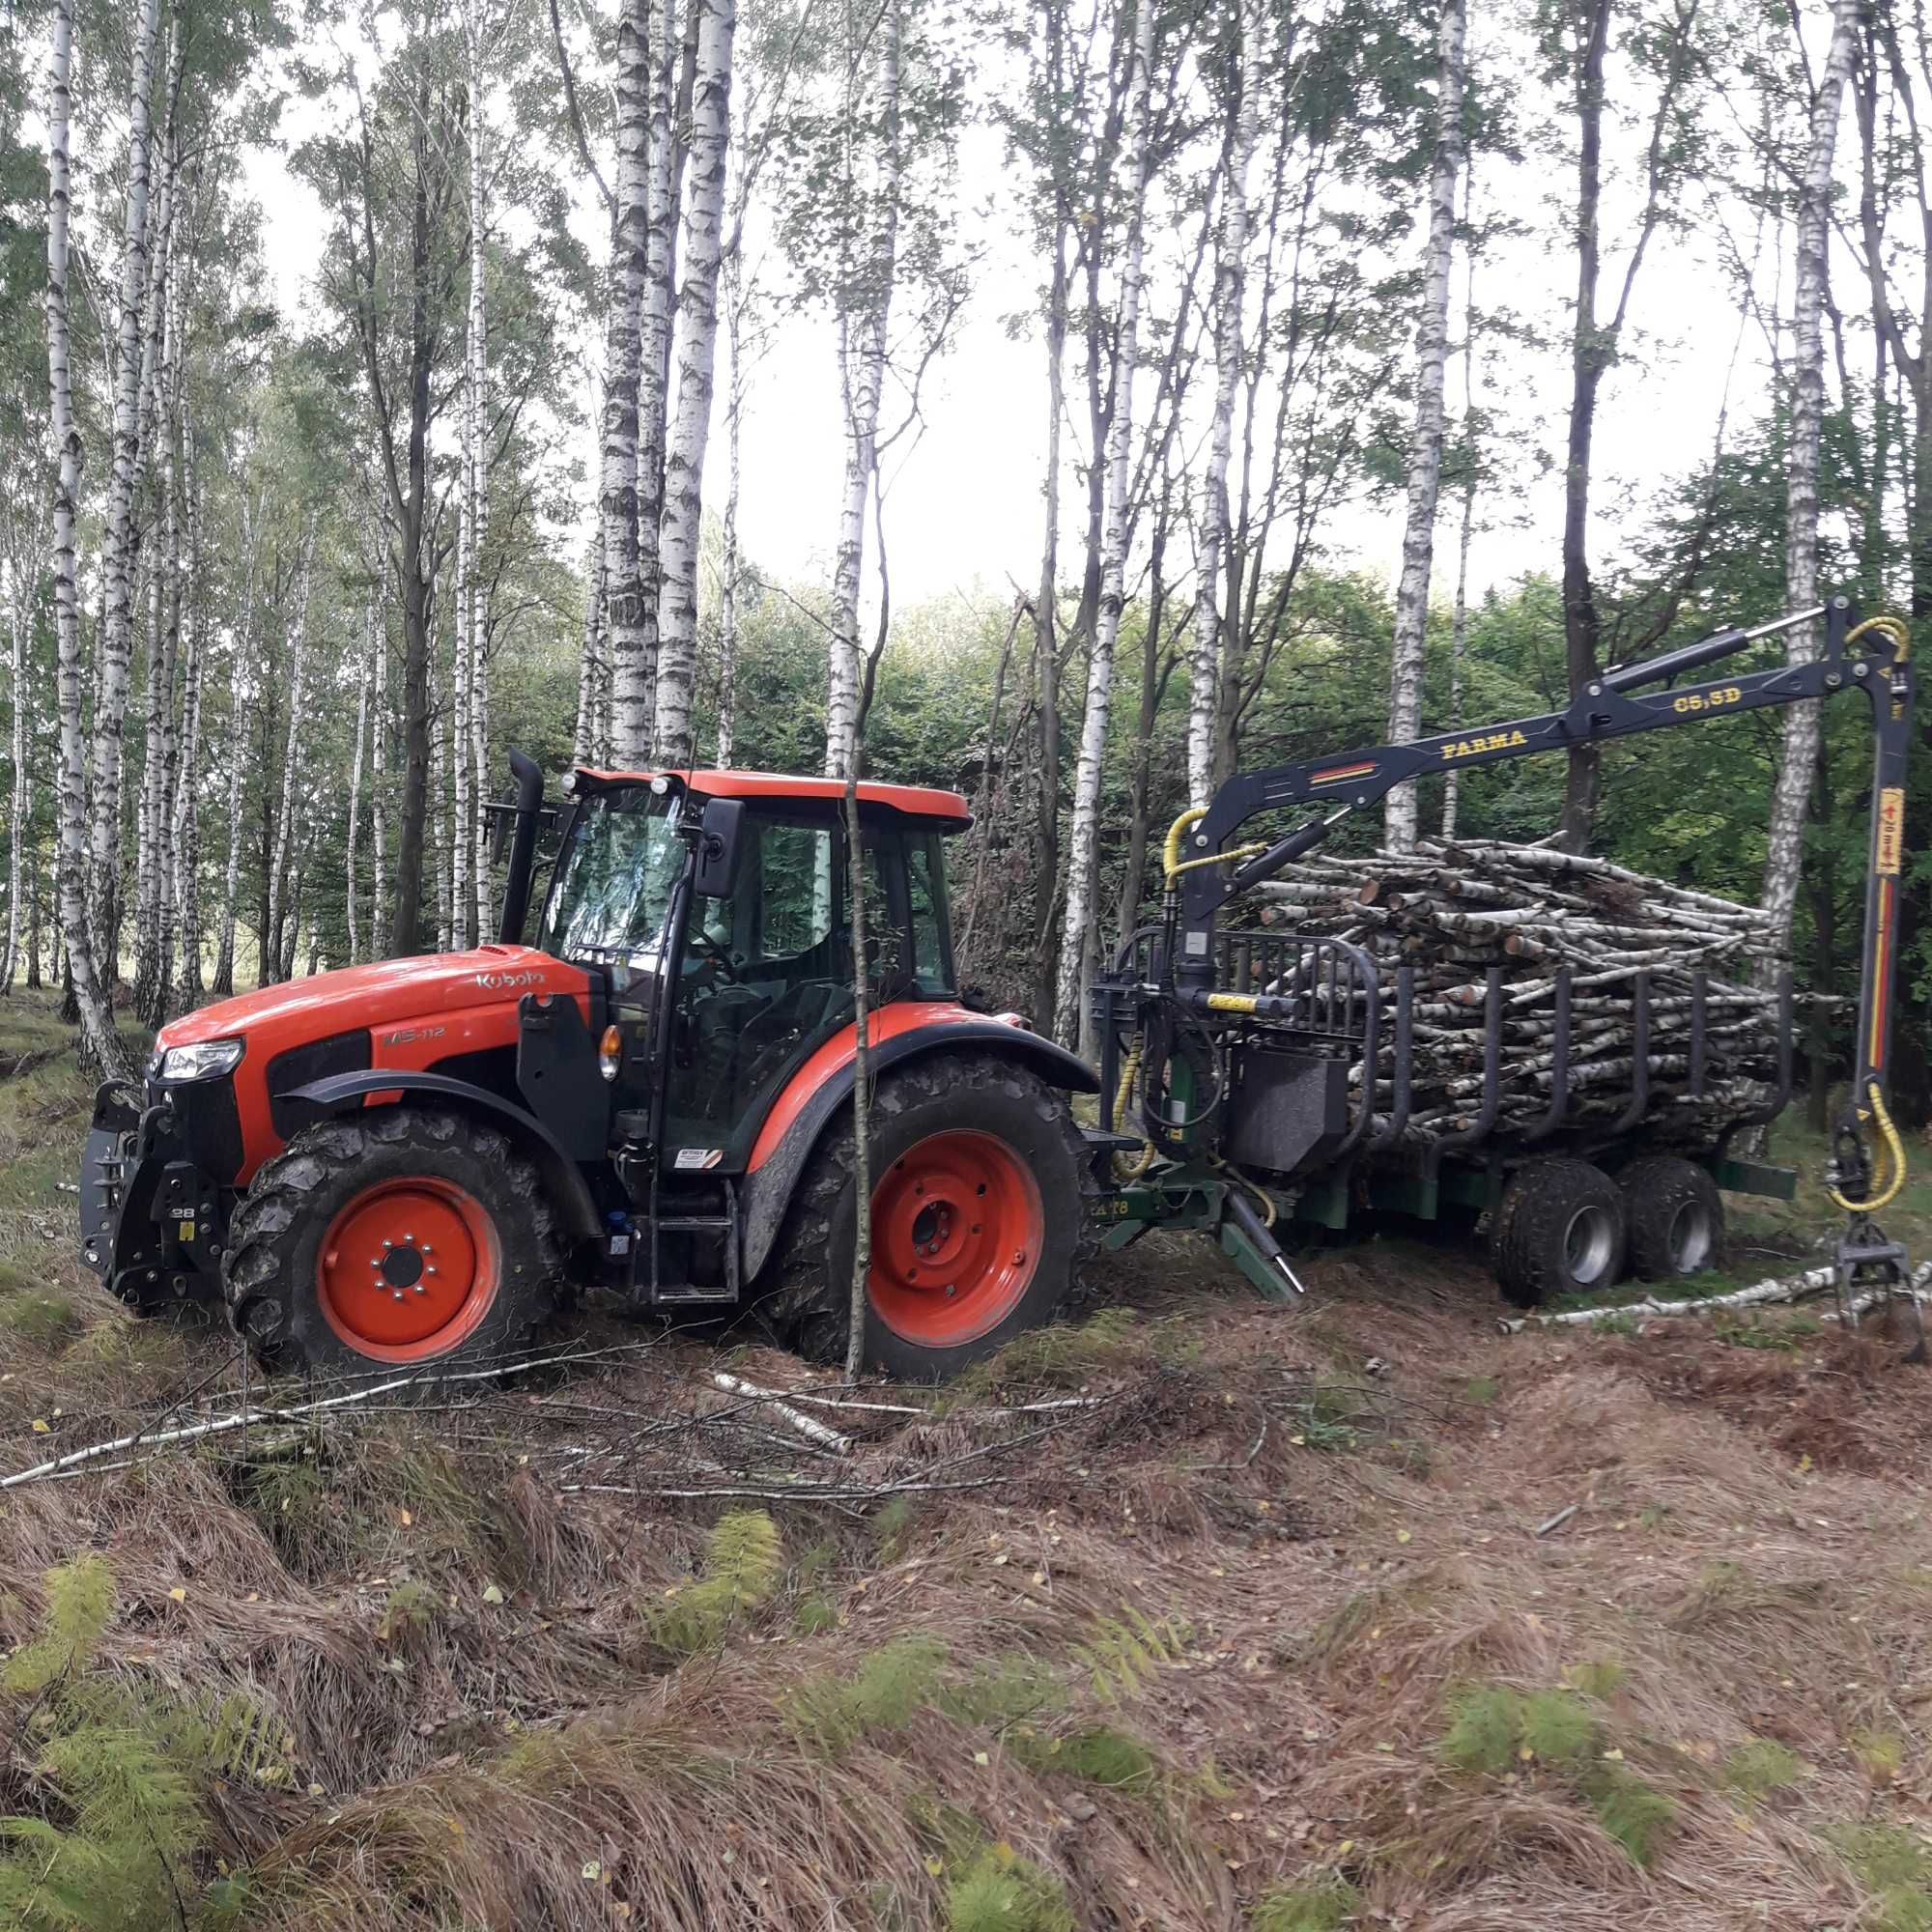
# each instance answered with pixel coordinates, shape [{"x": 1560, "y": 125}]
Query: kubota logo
[{"x": 509, "y": 982}]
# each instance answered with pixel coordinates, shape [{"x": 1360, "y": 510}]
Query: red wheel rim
[
  {"x": 956, "y": 1233},
  {"x": 407, "y": 1269}
]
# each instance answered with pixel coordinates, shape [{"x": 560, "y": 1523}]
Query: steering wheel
[{"x": 717, "y": 954}]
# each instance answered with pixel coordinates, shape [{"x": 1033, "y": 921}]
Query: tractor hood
[{"x": 385, "y": 993}]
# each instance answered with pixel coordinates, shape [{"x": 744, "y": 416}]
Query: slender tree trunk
[
  {"x": 696, "y": 347},
  {"x": 239, "y": 681},
  {"x": 379, "y": 760},
  {"x": 438, "y": 786},
  {"x": 1799, "y": 758},
  {"x": 362, "y": 678},
  {"x": 1083, "y": 840},
  {"x": 280, "y": 899},
  {"x": 1204, "y": 707},
  {"x": 1046, "y": 652},
  {"x": 186, "y": 881},
  {"x": 101, "y": 1044},
  {"x": 590, "y": 666},
  {"x": 1133, "y": 872},
  {"x": 25, "y": 577},
  {"x": 729, "y": 565},
  {"x": 1425, "y": 447},
  {"x": 654, "y": 368},
  {"x": 118, "y": 535},
  {"x": 623, "y": 352},
  {"x": 461, "y": 691},
  {"x": 1459, "y": 630},
  {"x": 862, "y": 364}
]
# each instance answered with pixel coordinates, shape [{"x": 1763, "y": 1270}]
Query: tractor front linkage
[{"x": 1242, "y": 1043}]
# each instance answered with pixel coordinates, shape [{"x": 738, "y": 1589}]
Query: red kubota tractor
[{"x": 416, "y": 1162}]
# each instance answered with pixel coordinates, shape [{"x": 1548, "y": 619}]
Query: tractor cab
[{"x": 714, "y": 910}]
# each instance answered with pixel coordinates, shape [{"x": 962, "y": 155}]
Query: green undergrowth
[
  {"x": 1495, "y": 1730},
  {"x": 1314, "y": 1905},
  {"x": 744, "y": 1560},
  {"x": 1894, "y": 1868}
]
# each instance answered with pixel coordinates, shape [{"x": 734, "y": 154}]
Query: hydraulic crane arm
[{"x": 1873, "y": 657}]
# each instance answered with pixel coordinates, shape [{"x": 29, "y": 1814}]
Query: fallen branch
[
  {"x": 1773, "y": 1289},
  {"x": 807, "y": 1425}
]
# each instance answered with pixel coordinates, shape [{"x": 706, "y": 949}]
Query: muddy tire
[
  {"x": 979, "y": 1219},
  {"x": 1676, "y": 1218},
  {"x": 392, "y": 1240},
  {"x": 1559, "y": 1230}
]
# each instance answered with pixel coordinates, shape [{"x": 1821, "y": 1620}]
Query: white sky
[{"x": 964, "y": 507}]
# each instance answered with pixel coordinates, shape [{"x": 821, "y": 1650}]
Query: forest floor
[{"x": 1257, "y": 1631}]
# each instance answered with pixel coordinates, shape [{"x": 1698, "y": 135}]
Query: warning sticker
[
  {"x": 1891, "y": 831},
  {"x": 700, "y": 1157}
]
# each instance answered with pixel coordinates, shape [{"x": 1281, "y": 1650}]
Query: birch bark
[
  {"x": 362, "y": 678},
  {"x": 470, "y": 860},
  {"x": 1204, "y": 709},
  {"x": 861, "y": 326},
  {"x": 696, "y": 356},
  {"x": 1425, "y": 446},
  {"x": 272, "y": 948},
  {"x": 728, "y": 566},
  {"x": 1084, "y": 832},
  {"x": 1798, "y": 760},
  {"x": 99, "y": 1044},
  {"x": 187, "y": 840},
  {"x": 379, "y": 822},
  {"x": 589, "y": 669},
  {"x": 1459, "y": 629},
  {"x": 240, "y": 673},
  {"x": 25, "y": 564},
  {"x": 118, "y": 525},
  {"x": 623, "y": 350}
]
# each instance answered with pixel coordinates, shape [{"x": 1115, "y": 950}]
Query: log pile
[{"x": 1454, "y": 911}]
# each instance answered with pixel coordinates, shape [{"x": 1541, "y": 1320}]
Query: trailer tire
[
  {"x": 1559, "y": 1229},
  {"x": 947, "y": 1132},
  {"x": 345, "y": 1212},
  {"x": 1676, "y": 1216}
]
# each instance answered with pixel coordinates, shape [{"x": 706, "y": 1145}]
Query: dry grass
[{"x": 1259, "y": 1639}]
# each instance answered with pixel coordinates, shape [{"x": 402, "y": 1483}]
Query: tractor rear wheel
[
  {"x": 978, "y": 1181},
  {"x": 392, "y": 1239},
  {"x": 1676, "y": 1218},
  {"x": 1559, "y": 1230}
]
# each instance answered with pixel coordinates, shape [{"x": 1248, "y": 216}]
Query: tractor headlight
[
  {"x": 205, "y": 1060},
  {"x": 611, "y": 1053}
]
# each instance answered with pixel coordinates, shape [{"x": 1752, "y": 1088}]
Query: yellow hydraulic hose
[{"x": 1885, "y": 1186}]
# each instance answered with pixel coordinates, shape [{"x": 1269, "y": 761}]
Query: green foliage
[
  {"x": 815, "y": 1617},
  {"x": 1315, "y": 1905},
  {"x": 122, "y": 1772},
  {"x": 1102, "y": 1755},
  {"x": 1597, "y": 1677},
  {"x": 883, "y": 1694},
  {"x": 1895, "y": 1865},
  {"x": 996, "y": 1891},
  {"x": 1556, "y": 1728},
  {"x": 744, "y": 1558},
  {"x": 1008, "y": 1690},
  {"x": 43, "y": 1319},
  {"x": 1757, "y": 1768},
  {"x": 1485, "y": 1725},
  {"x": 1635, "y": 1813},
  {"x": 1124, "y": 1654},
  {"x": 411, "y": 1608},
  {"x": 891, "y": 1525}
]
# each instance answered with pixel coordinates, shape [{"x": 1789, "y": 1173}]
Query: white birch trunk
[
  {"x": 1458, "y": 630},
  {"x": 117, "y": 526},
  {"x": 379, "y": 822},
  {"x": 1425, "y": 447},
  {"x": 240, "y": 695},
  {"x": 16, "y": 818},
  {"x": 461, "y": 680},
  {"x": 590, "y": 666},
  {"x": 1798, "y": 760},
  {"x": 363, "y": 672},
  {"x": 727, "y": 562},
  {"x": 479, "y": 781},
  {"x": 99, "y": 1041},
  {"x": 272, "y": 947},
  {"x": 1204, "y": 707},
  {"x": 187, "y": 878},
  {"x": 637, "y": 702},
  {"x": 862, "y": 368},
  {"x": 696, "y": 349},
  {"x": 470, "y": 859},
  {"x": 617, "y": 486},
  {"x": 1084, "y": 832},
  {"x": 438, "y": 791}
]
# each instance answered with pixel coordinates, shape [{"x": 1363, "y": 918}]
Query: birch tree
[
  {"x": 1798, "y": 760},
  {"x": 697, "y": 337},
  {"x": 280, "y": 900},
  {"x": 1425, "y": 446},
  {"x": 118, "y": 535},
  {"x": 1083, "y": 840},
  {"x": 364, "y": 677},
  {"x": 101, "y": 1044},
  {"x": 241, "y": 674},
  {"x": 1230, "y": 286},
  {"x": 25, "y": 559},
  {"x": 185, "y": 886}
]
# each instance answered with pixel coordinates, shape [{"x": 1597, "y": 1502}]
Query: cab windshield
[{"x": 614, "y": 881}]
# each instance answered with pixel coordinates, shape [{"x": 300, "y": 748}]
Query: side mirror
[{"x": 720, "y": 847}]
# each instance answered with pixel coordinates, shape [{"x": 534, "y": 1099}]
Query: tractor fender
[
  {"x": 342, "y": 1092},
  {"x": 768, "y": 1188}
]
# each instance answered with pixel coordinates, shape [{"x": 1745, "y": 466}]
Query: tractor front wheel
[
  {"x": 978, "y": 1219},
  {"x": 392, "y": 1239}
]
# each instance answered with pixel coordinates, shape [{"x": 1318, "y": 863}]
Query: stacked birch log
[{"x": 1451, "y": 911}]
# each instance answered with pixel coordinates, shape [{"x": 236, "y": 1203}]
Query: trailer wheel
[
  {"x": 1676, "y": 1218},
  {"x": 1559, "y": 1230},
  {"x": 978, "y": 1181},
  {"x": 395, "y": 1239}
]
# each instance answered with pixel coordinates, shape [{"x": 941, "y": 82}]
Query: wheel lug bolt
[
  {"x": 429, "y": 1270},
  {"x": 398, "y": 1295},
  {"x": 386, "y": 1242}
]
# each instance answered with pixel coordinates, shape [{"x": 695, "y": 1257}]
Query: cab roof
[{"x": 947, "y": 808}]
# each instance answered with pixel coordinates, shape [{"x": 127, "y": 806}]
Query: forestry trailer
[{"x": 413, "y": 1164}]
